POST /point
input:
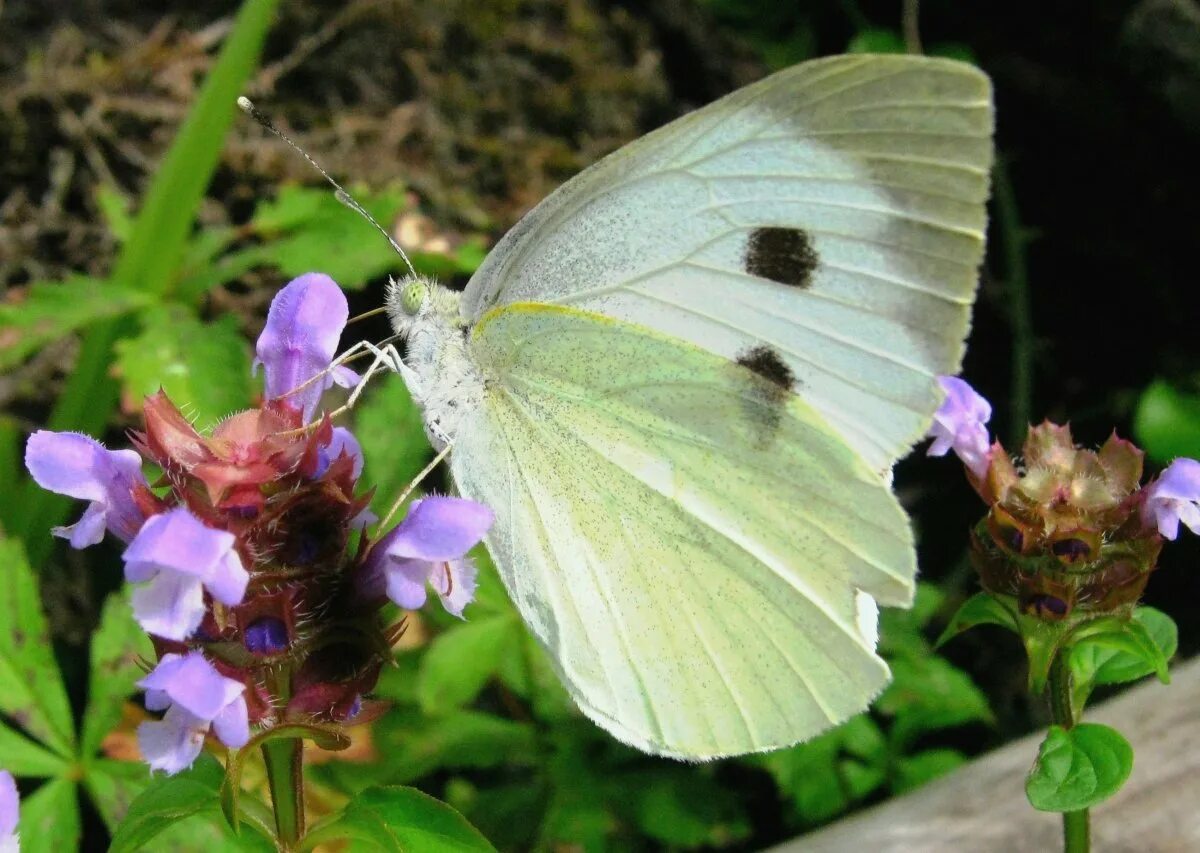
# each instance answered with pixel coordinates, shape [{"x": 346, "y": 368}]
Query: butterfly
[{"x": 681, "y": 382}]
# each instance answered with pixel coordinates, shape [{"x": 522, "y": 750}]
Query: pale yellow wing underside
[{"x": 689, "y": 541}]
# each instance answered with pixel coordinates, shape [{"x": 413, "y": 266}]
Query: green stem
[
  {"x": 284, "y": 759},
  {"x": 1076, "y": 824}
]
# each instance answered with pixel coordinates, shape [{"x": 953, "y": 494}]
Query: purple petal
[
  {"x": 193, "y": 683},
  {"x": 343, "y": 441},
  {"x": 344, "y": 377},
  {"x": 9, "y": 805},
  {"x": 228, "y": 580},
  {"x": 959, "y": 425},
  {"x": 232, "y": 725},
  {"x": 299, "y": 341},
  {"x": 176, "y": 541},
  {"x": 454, "y": 582},
  {"x": 157, "y": 700},
  {"x": 81, "y": 467},
  {"x": 171, "y": 606},
  {"x": 89, "y": 530},
  {"x": 172, "y": 744},
  {"x": 438, "y": 528},
  {"x": 1174, "y": 497},
  {"x": 406, "y": 582}
]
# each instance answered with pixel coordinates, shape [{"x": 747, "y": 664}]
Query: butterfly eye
[{"x": 412, "y": 297}]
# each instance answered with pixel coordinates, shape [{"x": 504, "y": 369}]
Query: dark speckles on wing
[
  {"x": 783, "y": 255},
  {"x": 770, "y": 387}
]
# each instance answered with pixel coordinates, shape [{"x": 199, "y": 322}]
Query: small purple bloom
[
  {"x": 343, "y": 441},
  {"x": 300, "y": 339},
  {"x": 9, "y": 813},
  {"x": 195, "y": 697},
  {"x": 266, "y": 636},
  {"x": 430, "y": 546},
  {"x": 959, "y": 425},
  {"x": 180, "y": 557},
  {"x": 81, "y": 467},
  {"x": 1174, "y": 497}
]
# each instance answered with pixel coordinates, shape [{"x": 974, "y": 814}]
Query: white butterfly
[{"x": 682, "y": 380}]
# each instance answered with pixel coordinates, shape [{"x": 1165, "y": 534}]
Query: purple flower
[
  {"x": 9, "y": 807},
  {"x": 300, "y": 339},
  {"x": 81, "y": 467},
  {"x": 430, "y": 546},
  {"x": 959, "y": 425},
  {"x": 195, "y": 697},
  {"x": 181, "y": 557},
  {"x": 343, "y": 441},
  {"x": 1174, "y": 497}
]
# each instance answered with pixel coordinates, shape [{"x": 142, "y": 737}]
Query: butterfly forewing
[{"x": 832, "y": 214}]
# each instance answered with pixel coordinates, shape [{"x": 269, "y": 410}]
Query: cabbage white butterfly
[{"x": 681, "y": 383}]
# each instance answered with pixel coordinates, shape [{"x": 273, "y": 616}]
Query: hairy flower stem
[
  {"x": 1076, "y": 825},
  {"x": 284, "y": 760}
]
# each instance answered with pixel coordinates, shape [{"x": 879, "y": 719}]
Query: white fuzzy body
[{"x": 437, "y": 368}]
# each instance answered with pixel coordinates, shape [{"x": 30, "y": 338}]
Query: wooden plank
[{"x": 982, "y": 806}]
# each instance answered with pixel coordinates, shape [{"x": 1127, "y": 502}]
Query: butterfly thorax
[{"x": 437, "y": 369}]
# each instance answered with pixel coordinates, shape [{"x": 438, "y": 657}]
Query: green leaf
[
  {"x": 401, "y": 820},
  {"x": 913, "y": 771},
  {"x": 149, "y": 259},
  {"x": 116, "y": 647},
  {"x": 826, "y": 775},
  {"x": 684, "y": 808},
  {"x": 114, "y": 210},
  {"x": 23, "y": 757},
  {"x": 203, "y": 367},
  {"x": 1078, "y": 768},
  {"x": 980, "y": 609},
  {"x": 12, "y": 446},
  {"x": 50, "y": 819},
  {"x": 418, "y": 745},
  {"x": 31, "y": 687},
  {"x": 877, "y": 41},
  {"x": 388, "y": 425},
  {"x": 929, "y": 693},
  {"x": 1166, "y": 423},
  {"x": 461, "y": 661},
  {"x": 47, "y": 311},
  {"x": 168, "y": 801},
  {"x": 1158, "y": 629},
  {"x": 1122, "y": 651},
  {"x": 115, "y": 785},
  {"x": 308, "y": 229}
]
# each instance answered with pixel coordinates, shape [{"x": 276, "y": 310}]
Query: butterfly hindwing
[{"x": 691, "y": 542}]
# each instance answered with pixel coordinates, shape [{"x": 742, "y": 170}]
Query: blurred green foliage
[{"x": 478, "y": 716}]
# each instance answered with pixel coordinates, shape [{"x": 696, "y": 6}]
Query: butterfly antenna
[{"x": 247, "y": 106}]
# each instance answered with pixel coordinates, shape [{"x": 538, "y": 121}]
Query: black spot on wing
[
  {"x": 769, "y": 389},
  {"x": 783, "y": 255},
  {"x": 766, "y": 363}
]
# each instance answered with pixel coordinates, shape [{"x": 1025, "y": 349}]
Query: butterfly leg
[{"x": 385, "y": 357}]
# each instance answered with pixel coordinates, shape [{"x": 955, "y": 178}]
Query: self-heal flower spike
[
  {"x": 81, "y": 467},
  {"x": 960, "y": 425},
  {"x": 195, "y": 697},
  {"x": 9, "y": 807},
  {"x": 1174, "y": 497},
  {"x": 299, "y": 342},
  {"x": 180, "y": 557},
  {"x": 430, "y": 546}
]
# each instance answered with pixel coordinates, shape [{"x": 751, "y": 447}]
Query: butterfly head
[{"x": 411, "y": 300}]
